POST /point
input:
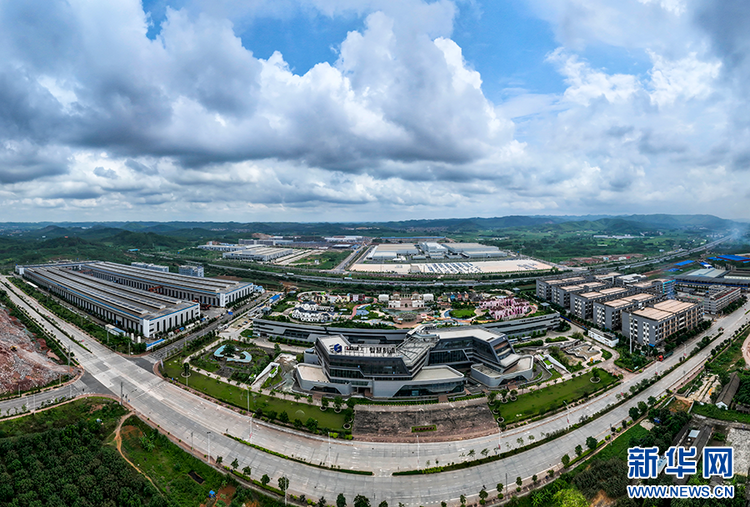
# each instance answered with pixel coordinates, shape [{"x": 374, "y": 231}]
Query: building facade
[{"x": 654, "y": 324}]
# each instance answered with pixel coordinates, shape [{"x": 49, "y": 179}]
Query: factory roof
[
  {"x": 135, "y": 302},
  {"x": 213, "y": 285}
]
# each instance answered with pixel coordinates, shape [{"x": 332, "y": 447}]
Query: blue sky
[{"x": 372, "y": 109}]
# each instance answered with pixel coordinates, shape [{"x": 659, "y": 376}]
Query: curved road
[{"x": 182, "y": 414}]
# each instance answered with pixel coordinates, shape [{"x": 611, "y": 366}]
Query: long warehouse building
[
  {"x": 134, "y": 310},
  {"x": 209, "y": 291}
]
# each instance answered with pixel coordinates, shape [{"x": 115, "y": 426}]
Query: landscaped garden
[
  {"x": 266, "y": 406},
  {"x": 547, "y": 399},
  {"x": 237, "y": 361}
]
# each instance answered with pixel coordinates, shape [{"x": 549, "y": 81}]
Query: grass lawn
[
  {"x": 238, "y": 397},
  {"x": 619, "y": 448},
  {"x": 716, "y": 413},
  {"x": 727, "y": 359},
  {"x": 541, "y": 401},
  {"x": 463, "y": 313}
]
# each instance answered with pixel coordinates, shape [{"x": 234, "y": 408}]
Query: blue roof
[
  {"x": 673, "y": 269},
  {"x": 683, "y": 263},
  {"x": 736, "y": 258},
  {"x": 276, "y": 297}
]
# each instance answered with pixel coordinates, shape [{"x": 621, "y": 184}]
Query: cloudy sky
[{"x": 340, "y": 110}]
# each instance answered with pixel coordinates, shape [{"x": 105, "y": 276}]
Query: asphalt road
[{"x": 191, "y": 418}]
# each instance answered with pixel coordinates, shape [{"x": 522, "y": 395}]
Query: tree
[
  {"x": 265, "y": 479},
  {"x": 579, "y": 450},
  {"x": 341, "y": 500},
  {"x": 276, "y": 350},
  {"x": 383, "y": 504},
  {"x": 591, "y": 443},
  {"x": 283, "y": 483},
  {"x": 324, "y": 403},
  {"x": 284, "y": 417},
  {"x": 186, "y": 368},
  {"x": 642, "y": 408},
  {"x": 519, "y": 481},
  {"x": 566, "y": 460},
  {"x": 485, "y": 452},
  {"x": 229, "y": 350},
  {"x": 246, "y": 471},
  {"x": 235, "y": 464},
  {"x": 534, "y": 478},
  {"x": 219, "y": 459},
  {"x": 634, "y": 413},
  {"x": 492, "y": 396},
  {"x": 483, "y": 496},
  {"x": 337, "y": 402},
  {"x": 463, "y": 499},
  {"x": 472, "y": 452},
  {"x": 569, "y": 498},
  {"x": 651, "y": 400},
  {"x": 312, "y": 425},
  {"x": 361, "y": 501}
]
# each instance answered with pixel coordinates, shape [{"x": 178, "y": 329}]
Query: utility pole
[
  {"x": 209, "y": 447},
  {"x": 121, "y": 383}
]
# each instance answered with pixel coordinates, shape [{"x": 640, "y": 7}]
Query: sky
[{"x": 345, "y": 110}]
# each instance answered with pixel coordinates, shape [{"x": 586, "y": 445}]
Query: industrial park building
[
  {"x": 215, "y": 246},
  {"x": 423, "y": 364},
  {"x": 608, "y": 314},
  {"x": 258, "y": 253},
  {"x": 711, "y": 276},
  {"x": 654, "y": 324},
  {"x": 208, "y": 291},
  {"x": 582, "y": 304},
  {"x": 561, "y": 294},
  {"x": 133, "y": 310},
  {"x": 192, "y": 270},
  {"x": 152, "y": 267}
]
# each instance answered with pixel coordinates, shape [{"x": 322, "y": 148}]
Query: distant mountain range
[{"x": 114, "y": 231}]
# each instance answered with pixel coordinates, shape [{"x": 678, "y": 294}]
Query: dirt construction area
[
  {"x": 438, "y": 422},
  {"x": 23, "y": 360}
]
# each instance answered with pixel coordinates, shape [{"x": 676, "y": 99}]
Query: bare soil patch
[
  {"x": 457, "y": 420},
  {"x": 24, "y": 360}
]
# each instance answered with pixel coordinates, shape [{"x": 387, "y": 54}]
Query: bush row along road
[{"x": 182, "y": 414}]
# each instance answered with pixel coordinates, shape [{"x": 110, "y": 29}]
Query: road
[
  {"x": 183, "y": 414},
  {"x": 253, "y": 304}
]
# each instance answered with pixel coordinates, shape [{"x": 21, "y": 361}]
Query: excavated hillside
[{"x": 24, "y": 360}]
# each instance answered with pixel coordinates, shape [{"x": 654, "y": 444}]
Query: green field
[
  {"x": 463, "y": 313},
  {"x": 238, "y": 397},
  {"x": 326, "y": 260},
  {"x": 168, "y": 465},
  {"x": 544, "y": 400},
  {"x": 717, "y": 413},
  {"x": 619, "y": 448}
]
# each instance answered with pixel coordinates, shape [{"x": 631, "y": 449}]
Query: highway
[
  {"x": 191, "y": 418},
  {"x": 395, "y": 281}
]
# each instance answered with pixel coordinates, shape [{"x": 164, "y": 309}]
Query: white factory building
[
  {"x": 141, "y": 312},
  {"x": 258, "y": 253}
]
